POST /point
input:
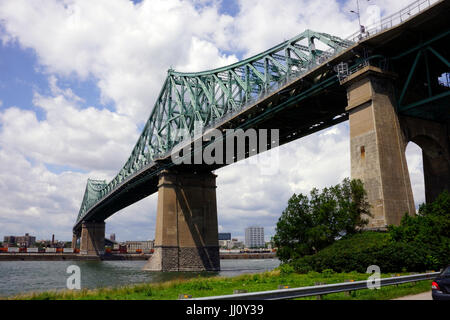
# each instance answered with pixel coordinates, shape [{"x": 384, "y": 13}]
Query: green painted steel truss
[
  {"x": 423, "y": 53},
  {"x": 210, "y": 96}
]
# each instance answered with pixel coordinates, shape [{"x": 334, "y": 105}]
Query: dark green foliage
[
  {"x": 308, "y": 225},
  {"x": 429, "y": 231},
  {"x": 419, "y": 244},
  {"x": 354, "y": 253}
]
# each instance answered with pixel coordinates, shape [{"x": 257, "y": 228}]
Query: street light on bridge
[{"x": 362, "y": 29}]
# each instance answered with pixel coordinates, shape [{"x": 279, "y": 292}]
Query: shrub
[
  {"x": 419, "y": 243},
  {"x": 286, "y": 268}
]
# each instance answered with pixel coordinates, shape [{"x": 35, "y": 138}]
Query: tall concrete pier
[
  {"x": 186, "y": 236},
  {"x": 378, "y": 140},
  {"x": 92, "y": 238},
  {"x": 378, "y": 147},
  {"x": 74, "y": 241}
]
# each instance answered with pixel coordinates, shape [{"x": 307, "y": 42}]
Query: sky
[{"x": 79, "y": 78}]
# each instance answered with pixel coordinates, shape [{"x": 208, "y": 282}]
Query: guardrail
[
  {"x": 284, "y": 294},
  {"x": 393, "y": 20}
]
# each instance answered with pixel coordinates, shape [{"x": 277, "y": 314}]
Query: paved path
[{"x": 421, "y": 296}]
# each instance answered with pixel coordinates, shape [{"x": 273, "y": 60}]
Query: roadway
[{"x": 420, "y": 296}]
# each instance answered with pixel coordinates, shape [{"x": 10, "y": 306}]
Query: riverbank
[
  {"x": 113, "y": 257},
  {"x": 213, "y": 286},
  {"x": 70, "y": 257},
  {"x": 234, "y": 256}
]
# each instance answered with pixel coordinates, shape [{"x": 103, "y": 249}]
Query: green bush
[
  {"x": 352, "y": 253},
  {"x": 419, "y": 243},
  {"x": 286, "y": 268}
]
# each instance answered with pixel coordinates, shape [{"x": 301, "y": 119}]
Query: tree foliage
[
  {"x": 309, "y": 224},
  {"x": 429, "y": 229},
  {"x": 419, "y": 243}
]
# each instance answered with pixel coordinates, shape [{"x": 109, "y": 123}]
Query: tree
[
  {"x": 308, "y": 225},
  {"x": 429, "y": 229}
]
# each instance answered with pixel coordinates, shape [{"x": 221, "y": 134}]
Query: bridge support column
[
  {"x": 92, "y": 238},
  {"x": 378, "y": 147},
  {"x": 74, "y": 241},
  {"x": 186, "y": 236}
]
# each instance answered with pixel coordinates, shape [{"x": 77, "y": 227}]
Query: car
[{"x": 440, "y": 287}]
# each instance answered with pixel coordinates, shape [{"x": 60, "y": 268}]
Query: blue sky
[{"x": 78, "y": 80}]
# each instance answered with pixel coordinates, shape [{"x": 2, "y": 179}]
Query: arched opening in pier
[{"x": 414, "y": 159}]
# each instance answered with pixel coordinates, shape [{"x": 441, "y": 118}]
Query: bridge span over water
[{"x": 390, "y": 81}]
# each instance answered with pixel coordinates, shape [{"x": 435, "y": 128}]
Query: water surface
[{"x": 25, "y": 276}]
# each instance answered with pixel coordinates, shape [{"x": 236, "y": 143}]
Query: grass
[{"x": 202, "y": 287}]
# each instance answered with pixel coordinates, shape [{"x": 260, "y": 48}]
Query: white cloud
[
  {"x": 415, "y": 167},
  {"x": 245, "y": 197},
  {"x": 83, "y": 138},
  {"x": 35, "y": 200},
  {"x": 127, "y": 48}
]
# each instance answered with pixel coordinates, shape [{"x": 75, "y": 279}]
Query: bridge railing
[{"x": 393, "y": 20}]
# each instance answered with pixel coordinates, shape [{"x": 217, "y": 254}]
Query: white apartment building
[{"x": 254, "y": 237}]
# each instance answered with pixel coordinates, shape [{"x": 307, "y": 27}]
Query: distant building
[
  {"x": 231, "y": 244},
  {"x": 25, "y": 241},
  {"x": 53, "y": 243},
  {"x": 110, "y": 243},
  {"x": 254, "y": 237},
  {"x": 235, "y": 244},
  {"x": 139, "y": 245},
  {"x": 112, "y": 237},
  {"x": 223, "y": 243},
  {"x": 9, "y": 241},
  {"x": 224, "y": 236}
]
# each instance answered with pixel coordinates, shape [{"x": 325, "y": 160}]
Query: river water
[{"x": 25, "y": 276}]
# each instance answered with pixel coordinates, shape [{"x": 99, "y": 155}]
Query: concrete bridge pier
[
  {"x": 92, "y": 238},
  {"x": 74, "y": 241},
  {"x": 378, "y": 146},
  {"x": 186, "y": 237}
]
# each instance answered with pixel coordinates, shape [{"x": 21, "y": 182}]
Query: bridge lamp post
[{"x": 357, "y": 12}]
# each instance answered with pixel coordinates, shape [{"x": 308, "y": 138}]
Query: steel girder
[
  {"x": 209, "y": 96},
  {"x": 432, "y": 105}
]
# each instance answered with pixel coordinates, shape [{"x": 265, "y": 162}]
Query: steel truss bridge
[{"x": 294, "y": 87}]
